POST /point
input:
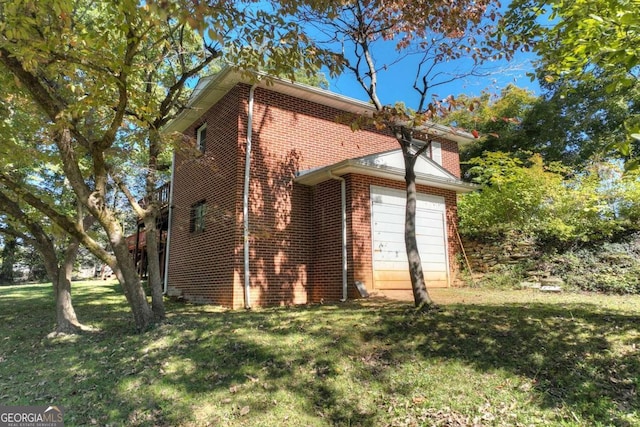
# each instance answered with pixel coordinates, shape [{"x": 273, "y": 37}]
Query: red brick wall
[
  {"x": 309, "y": 132},
  {"x": 359, "y": 232},
  {"x": 295, "y": 235},
  {"x": 201, "y": 265},
  {"x": 327, "y": 255},
  {"x": 450, "y": 157}
]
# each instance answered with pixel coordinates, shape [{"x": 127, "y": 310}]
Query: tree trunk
[
  {"x": 94, "y": 201},
  {"x": 8, "y": 260},
  {"x": 133, "y": 290},
  {"x": 66, "y": 319},
  {"x": 150, "y": 225},
  {"x": 420, "y": 294},
  {"x": 153, "y": 260},
  {"x": 60, "y": 276}
]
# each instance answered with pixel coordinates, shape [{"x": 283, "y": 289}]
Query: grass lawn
[{"x": 487, "y": 358}]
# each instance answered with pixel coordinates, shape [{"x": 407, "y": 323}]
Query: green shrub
[
  {"x": 574, "y": 218},
  {"x": 608, "y": 267},
  {"x": 539, "y": 200},
  {"x": 507, "y": 276}
]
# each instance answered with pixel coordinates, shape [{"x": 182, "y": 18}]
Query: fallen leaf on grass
[{"x": 244, "y": 411}]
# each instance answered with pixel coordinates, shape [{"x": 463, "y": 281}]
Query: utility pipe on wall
[
  {"x": 245, "y": 200},
  {"x": 343, "y": 220}
]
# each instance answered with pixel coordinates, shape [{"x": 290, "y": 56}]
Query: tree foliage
[
  {"x": 585, "y": 43},
  {"x": 571, "y": 123},
  {"x": 578, "y": 35},
  {"x": 498, "y": 118},
  {"x": 97, "y": 69},
  {"x": 547, "y": 201}
]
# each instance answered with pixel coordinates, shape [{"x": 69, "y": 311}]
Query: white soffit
[
  {"x": 211, "y": 89},
  {"x": 388, "y": 165}
]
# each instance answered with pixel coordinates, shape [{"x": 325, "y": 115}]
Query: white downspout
[
  {"x": 168, "y": 242},
  {"x": 245, "y": 200},
  {"x": 343, "y": 220}
]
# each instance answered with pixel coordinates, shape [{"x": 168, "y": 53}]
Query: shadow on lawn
[
  {"x": 563, "y": 350},
  {"x": 240, "y": 359}
]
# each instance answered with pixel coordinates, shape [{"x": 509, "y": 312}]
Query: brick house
[{"x": 318, "y": 208}]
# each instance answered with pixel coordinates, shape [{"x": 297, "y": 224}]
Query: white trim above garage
[
  {"x": 390, "y": 266},
  {"x": 388, "y": 165}
]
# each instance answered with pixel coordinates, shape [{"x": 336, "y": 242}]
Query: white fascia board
[
  {"x": 207, "y": 92},
  {"x": 211, "y": 89},
  {"x": 316, "y": 176}
]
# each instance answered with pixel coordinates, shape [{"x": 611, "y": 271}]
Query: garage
[{"x": 390, "y": 268}]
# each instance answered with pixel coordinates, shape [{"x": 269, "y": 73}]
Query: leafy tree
[
  {"x": 629, "y": 205},
  {"x": 8, "y": 257},
  {"x": 571, "y": 123},
  {"x": 34, "y": 232},
  {"x": 580, "y": 34},
  {"x": 547, "y": 201},
  {"x": 498, "y": 118},
  {"x": 579, "y": 119},
  {"x": 430, "y": 38},
  {"x": 512, "y": 196},
  {"x": 30, "y": 175},
  {"x": 95, "y": 68},
  {"x": 584, "y": 39},
  {"x": 318, "y": 79}
]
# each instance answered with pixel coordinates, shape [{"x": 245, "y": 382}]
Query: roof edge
[
  {"x": 212, "y": 88},
  {"x": 316, "y": 176}
]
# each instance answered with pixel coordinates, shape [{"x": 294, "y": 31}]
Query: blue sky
[{"x": 395, "y": 84}]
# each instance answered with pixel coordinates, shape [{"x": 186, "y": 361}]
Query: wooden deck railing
[{"x": 161, "y": 195}]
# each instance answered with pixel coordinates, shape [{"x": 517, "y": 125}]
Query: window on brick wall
[
  {"x": 201, "y": 137},
  {"x": 198, "y": 214}
]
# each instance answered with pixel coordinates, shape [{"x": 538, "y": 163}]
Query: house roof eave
[
  {"x": 208, "y": 91},
  {"x": 211, "y": 89},
  {"x": 351, "y": 166}
]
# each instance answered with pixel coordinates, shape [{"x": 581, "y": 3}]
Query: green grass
[{"x": 495, "y": 358}]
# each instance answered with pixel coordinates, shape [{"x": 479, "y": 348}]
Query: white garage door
[{"x": 390, "y": 267}]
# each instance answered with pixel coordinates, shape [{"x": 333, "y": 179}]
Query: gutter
[
  {"x": 245, "y": 200},
  {"x": 168, "y": 242},
  {"x": 213, "y": 87},
  {"x": 343, "y": 220}
]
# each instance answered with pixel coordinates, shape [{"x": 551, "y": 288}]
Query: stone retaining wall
[{"x": 485, "y": 255}]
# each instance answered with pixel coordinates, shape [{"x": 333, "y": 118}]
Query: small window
[
  {"x": 201, "y": 137},
  {"x": 198, "y": 213}
]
